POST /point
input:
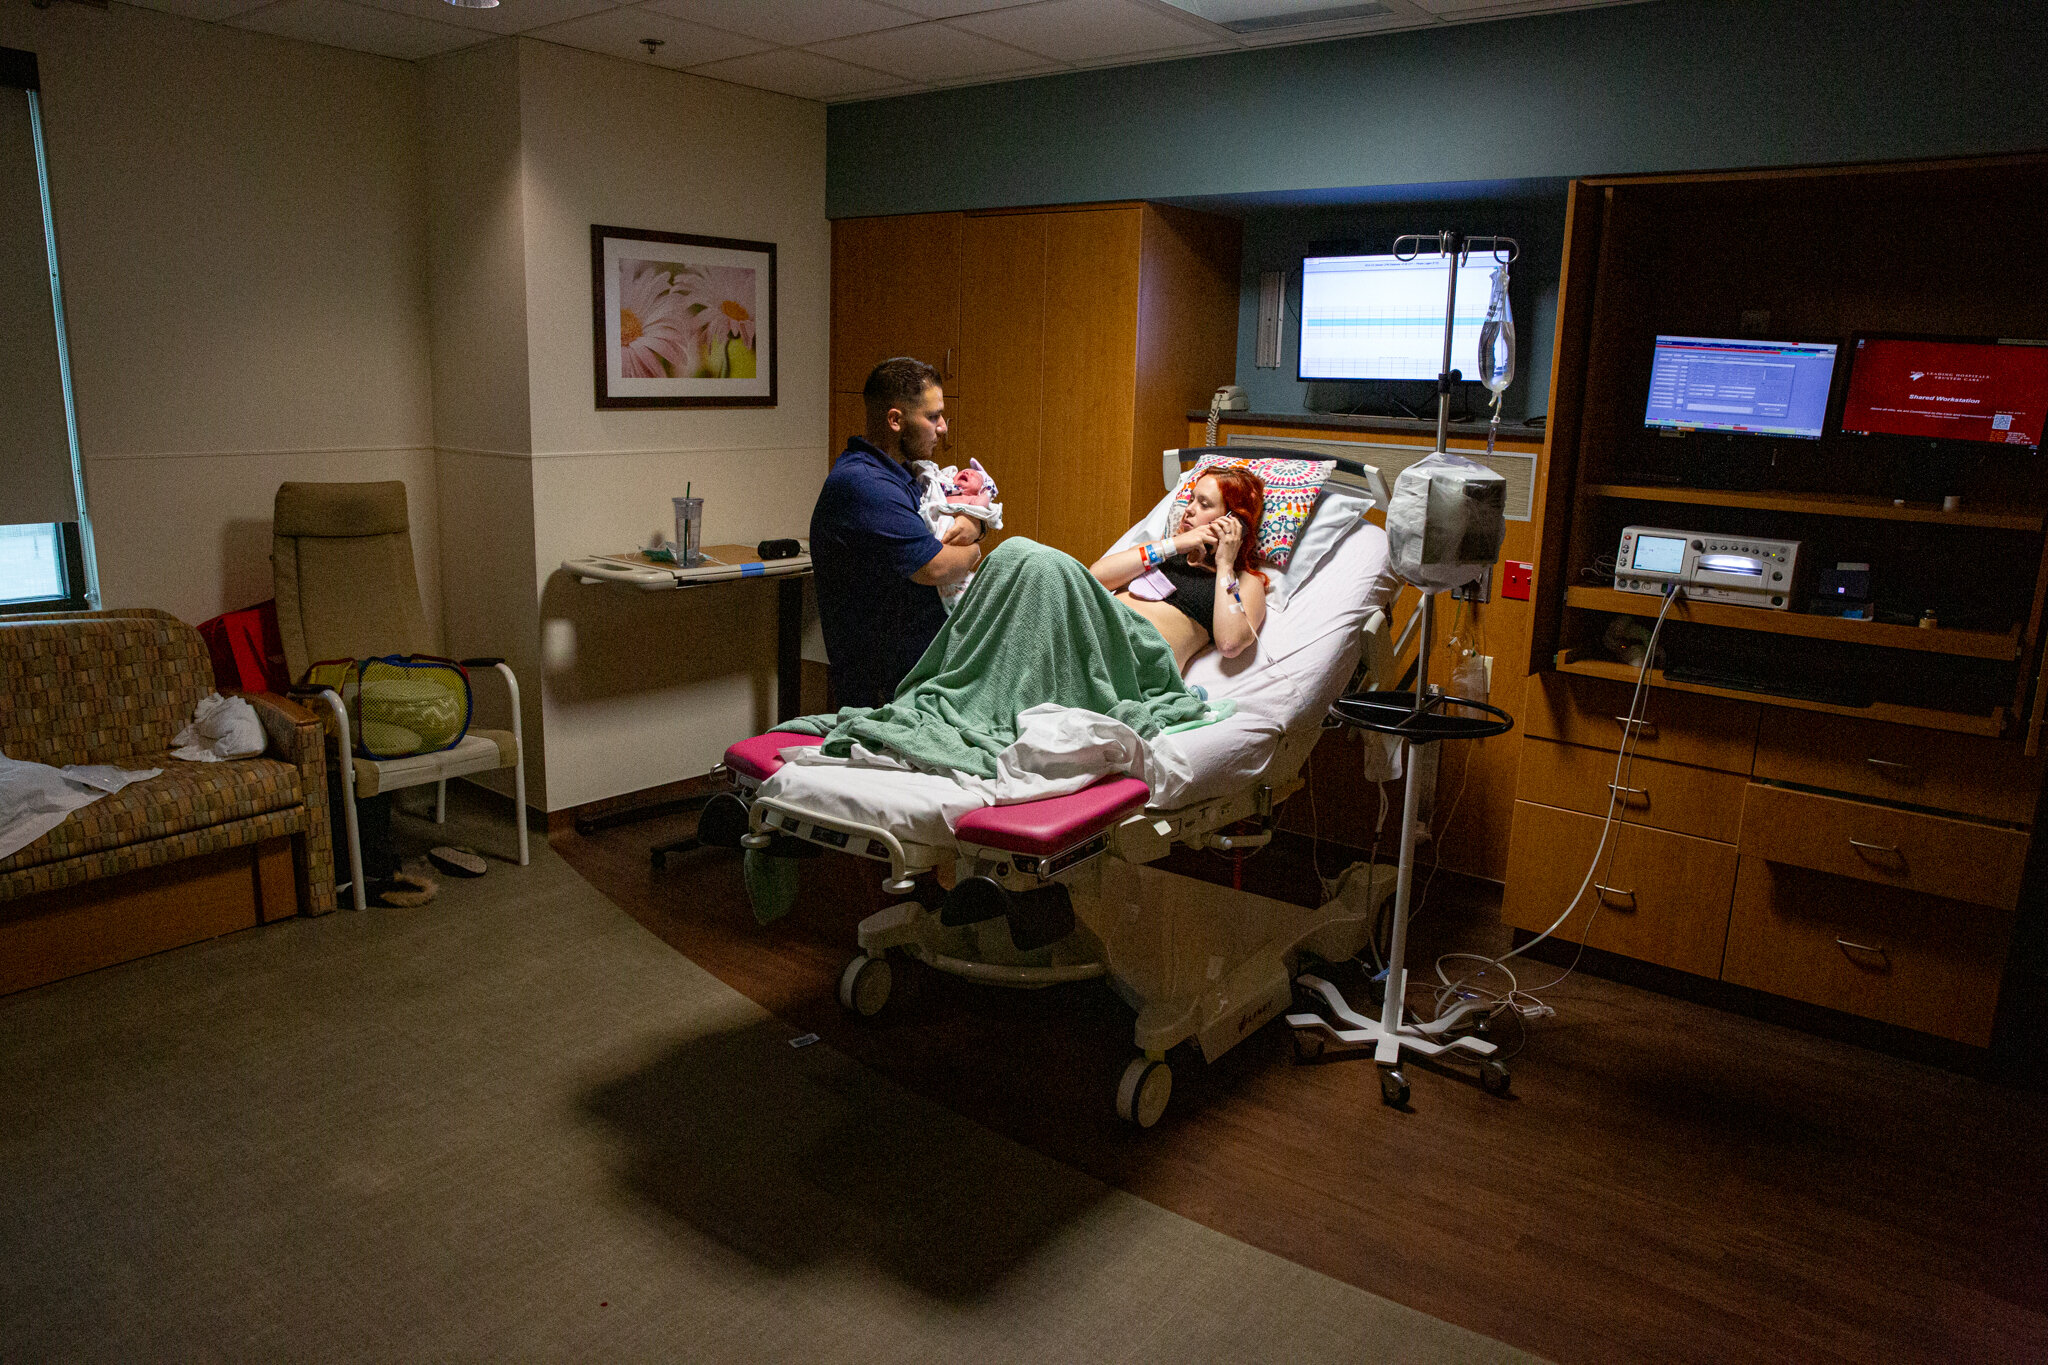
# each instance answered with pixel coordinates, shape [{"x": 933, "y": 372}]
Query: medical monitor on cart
[
  {"x": 1380, "y": 317},
  {"x": 1947, "y": 389},
  {"x": 1740, "y": 387}
]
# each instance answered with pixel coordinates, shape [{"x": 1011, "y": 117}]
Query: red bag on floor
[{"x": 248, "y": 650}]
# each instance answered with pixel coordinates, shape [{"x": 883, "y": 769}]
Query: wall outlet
[{"x": 1515, "y": 576}]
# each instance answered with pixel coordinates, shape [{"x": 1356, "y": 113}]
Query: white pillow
[{"x": 1339, "y": 511}]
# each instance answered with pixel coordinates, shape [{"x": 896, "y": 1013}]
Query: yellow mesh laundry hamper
[{"x": 399, "y": 704}]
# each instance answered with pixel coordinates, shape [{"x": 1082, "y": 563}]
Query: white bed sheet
[{"x": 1305, "y": 656}]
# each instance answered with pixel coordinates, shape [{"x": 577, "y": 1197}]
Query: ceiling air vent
[{"x": 1329, "y": 14}]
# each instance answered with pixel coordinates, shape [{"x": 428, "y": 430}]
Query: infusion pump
[{"x": 1743, "y": 571}]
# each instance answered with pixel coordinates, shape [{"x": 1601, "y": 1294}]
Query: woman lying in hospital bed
[
  {"x": 1204, "y": 585},
  {"x": 1042, "y": 683}
]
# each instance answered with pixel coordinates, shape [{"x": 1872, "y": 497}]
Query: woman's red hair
[{"x": 1244, "y": 496}]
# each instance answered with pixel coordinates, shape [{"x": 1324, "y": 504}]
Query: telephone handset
[{"x": 1229, "y": 398}]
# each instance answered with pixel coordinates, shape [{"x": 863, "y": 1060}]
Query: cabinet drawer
[
  {"x": 1959, "y": 859},
  {"x": 1666, "y": 896},
  {"x": 1683, "y": 727},
  {"x": 1696, "y": 801},
  {"x": 1967, "y": 773},
  {"x": 1916, "y": 961}
]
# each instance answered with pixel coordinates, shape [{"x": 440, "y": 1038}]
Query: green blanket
[{"x": 1034, "y": 627}]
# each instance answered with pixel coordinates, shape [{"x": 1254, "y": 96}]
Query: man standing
[{"x": 878, "y": 566}]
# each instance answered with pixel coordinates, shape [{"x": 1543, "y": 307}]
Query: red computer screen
[{"x": 1947, "y": 390}]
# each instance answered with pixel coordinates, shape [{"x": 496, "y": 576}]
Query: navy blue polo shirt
[{"x": 867, "y": 539}]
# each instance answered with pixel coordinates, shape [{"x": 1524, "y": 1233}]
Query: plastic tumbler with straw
[{"x": 689, "y": 528}]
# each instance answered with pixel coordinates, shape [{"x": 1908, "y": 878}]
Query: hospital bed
[{"x": 1062, "y": 889}]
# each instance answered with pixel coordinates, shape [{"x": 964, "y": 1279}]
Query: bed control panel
[{"x": 1743, "y": 571}]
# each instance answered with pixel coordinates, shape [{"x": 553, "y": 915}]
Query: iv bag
[{"x": 1497, "y": 338}]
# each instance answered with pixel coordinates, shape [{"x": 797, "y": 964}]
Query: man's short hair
[{"x": 897, "y": 383}]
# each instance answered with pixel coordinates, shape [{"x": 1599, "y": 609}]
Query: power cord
[{"x": 1523, "y": 1003}]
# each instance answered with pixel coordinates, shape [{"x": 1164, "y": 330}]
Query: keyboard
[{"x": 1833, "y": 692}]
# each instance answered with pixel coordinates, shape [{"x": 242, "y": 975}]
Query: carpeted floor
[{"x": 515, "y": 1125}]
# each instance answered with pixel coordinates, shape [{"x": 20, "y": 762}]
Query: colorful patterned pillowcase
[{"x": 1292, "y": 487}]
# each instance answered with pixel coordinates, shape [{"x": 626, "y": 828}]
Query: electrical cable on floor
[{"x": 1515, "y": 999}]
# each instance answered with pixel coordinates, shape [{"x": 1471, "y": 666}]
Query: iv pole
[{"x": 1420, "y": 717}]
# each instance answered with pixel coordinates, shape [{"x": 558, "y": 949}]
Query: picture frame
[{"x": 682, "y": 321}]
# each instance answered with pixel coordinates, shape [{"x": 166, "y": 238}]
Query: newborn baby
[{"x": 952, "y": 492}]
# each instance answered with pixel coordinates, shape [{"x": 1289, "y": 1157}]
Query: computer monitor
[
  {"x": 1380, "y": 317},
  {"x": 1947, "y": 389},
  {"x": 1750, "y": 388}
]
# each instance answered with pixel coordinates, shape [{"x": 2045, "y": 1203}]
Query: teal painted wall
[
  {"x": 1277, "y": 240},
  {"x": 1669, "y": 85}
]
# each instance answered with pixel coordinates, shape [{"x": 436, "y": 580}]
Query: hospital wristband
[{"x": 1156, "y": 552}]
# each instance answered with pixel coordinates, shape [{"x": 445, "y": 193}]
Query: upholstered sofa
[{"x": 197, "y": 851}]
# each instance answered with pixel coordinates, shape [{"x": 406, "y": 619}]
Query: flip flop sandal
[
  {"x": 457, "y": 862},
  {"x": 405, "y": 890}
]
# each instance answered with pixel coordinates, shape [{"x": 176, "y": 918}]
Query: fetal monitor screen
[
  {"x": 1947, "y": 390},
  {"x": 1659, "y": 554},
  {"x": 1755, "y": 388},
  {"x": 1379, "y": 317}
]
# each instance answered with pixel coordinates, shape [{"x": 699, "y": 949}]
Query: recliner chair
[{"x": 341, "y": 559}]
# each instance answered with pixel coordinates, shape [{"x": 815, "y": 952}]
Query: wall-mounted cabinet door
[
  {"x": 895, "y": 291},
  {"x": 1002, "y": 348},
  {"x": 1090, "y": 376}
]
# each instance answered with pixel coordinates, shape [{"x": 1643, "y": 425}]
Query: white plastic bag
[
  {"x": 1446, "y": 521},
  {"x": 222, "y": 727}
]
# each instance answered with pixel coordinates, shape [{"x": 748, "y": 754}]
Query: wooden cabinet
[
  {"x": 1918, "y": 961},
  {"x": 1885, "y": 771},
  {"x": 1655, "y": 895},
  {"x": 895, "y": 291},
  {"x": 1078, "y": 340},
  {"x": 1708, "y": 732},
  {"x": 1647, "y": 791}
]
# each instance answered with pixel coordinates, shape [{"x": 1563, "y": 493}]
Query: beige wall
[
  {"x": 241, "y": 223},
  {"x": 35, "y": 451},
  {"x": 643, "y": 689},
  {"x": 292, "y": 262}
]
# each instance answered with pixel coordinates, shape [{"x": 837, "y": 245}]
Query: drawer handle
[
  {"x": 1643, "y": 792},
  {"x": 1891, "y": 849},
  {"x": 1864, "y": 948},
  {"x": 1648, "y": 727},
  {"x": 1888, "y": 763},
  {"x": 1616, "y": 891}
]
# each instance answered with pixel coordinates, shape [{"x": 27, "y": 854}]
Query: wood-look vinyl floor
[{"x": 1668, "y": 1182}]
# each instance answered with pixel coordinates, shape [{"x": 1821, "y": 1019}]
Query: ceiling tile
[
  {"x": 515, "y": 17},
  {"x": 930, "y": 52},
  {"x": 793, "y": 71},
  {"x": 338, "y": 24},
  {"x": 786, "y": 23},
  {"x": 617, "y": 33},
  {"x": 210, "y": 11},
  {"x": 946, "y": 9},
  {"x": 1087, "y": 30}
]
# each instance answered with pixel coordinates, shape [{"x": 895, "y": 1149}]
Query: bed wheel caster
[
  {"x": 1308, "y": 1044},
  {"x": 1142, "y": 1094},
  {"x": 865, "y": 984},
  {"x": 1494, "y": 1078},
  {"x": 1393, "y": 1087},
  {"x": 723, "y": 822}
]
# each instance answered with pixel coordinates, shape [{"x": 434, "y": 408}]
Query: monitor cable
[{"x": 1524, "y": 1003}]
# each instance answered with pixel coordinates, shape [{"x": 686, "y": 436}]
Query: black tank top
[{"x": 1194, "y": 591}]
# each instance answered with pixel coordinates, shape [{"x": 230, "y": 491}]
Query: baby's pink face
[{"x": 969, "y": 481}]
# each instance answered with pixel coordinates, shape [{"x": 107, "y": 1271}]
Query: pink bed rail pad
[
  {"x": 757, "y": 757},
  {"x": 1046, "y": 827}
]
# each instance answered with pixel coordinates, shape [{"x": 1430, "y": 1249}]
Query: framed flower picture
[{"x": 682, "y": 321}]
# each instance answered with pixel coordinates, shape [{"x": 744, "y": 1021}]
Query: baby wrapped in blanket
[{"x": 944, "y": 494}]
